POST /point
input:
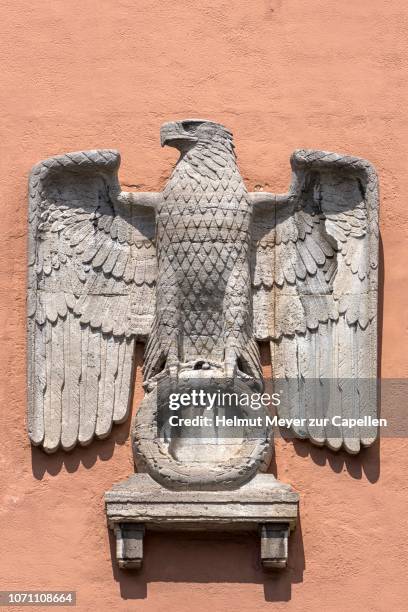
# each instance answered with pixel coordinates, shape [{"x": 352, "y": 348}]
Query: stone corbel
[
  {"x": 129, "y": 544},
  {"x": 264, "y": 506}
]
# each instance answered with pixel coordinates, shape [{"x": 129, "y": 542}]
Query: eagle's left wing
[
  {"x": 315, "y": 264},
  {"x": 91, "y": 294}
]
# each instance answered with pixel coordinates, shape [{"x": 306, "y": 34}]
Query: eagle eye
[{"x": 190, "y": 126}]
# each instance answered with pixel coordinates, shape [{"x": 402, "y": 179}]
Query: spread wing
[
  {"x": 92, "y": 270},
  {"x": 315, "y": 269}
]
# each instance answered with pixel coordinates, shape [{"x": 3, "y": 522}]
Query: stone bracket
[
  {"x": 129, "y": 544},
  {"x": 274, "y": 545},
  {"x": 263, "y": 505}
]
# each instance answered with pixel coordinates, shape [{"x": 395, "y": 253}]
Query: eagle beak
[{"x": 174, "y": 135}]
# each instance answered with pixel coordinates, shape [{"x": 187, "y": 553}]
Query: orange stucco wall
[{"x": 281, "y": 74}]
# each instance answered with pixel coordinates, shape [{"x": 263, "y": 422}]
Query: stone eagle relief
[{"x": 200, "y": 272}]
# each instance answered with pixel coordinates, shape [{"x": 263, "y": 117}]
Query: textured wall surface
[{"x": 281, "y": 74}]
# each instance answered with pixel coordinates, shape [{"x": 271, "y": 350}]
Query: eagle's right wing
[
  {"x": 92, "y": 272},
  {"x": 315, "y": 278}
]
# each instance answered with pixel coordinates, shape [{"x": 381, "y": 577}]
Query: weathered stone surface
[
  {"x": 129, "y": 545},
  {"x": 203, "y": 270},
  {"x": 274, "y": 545},
  {"x": 143, "y": 500},
  {"x": 221, "y": 463},
  {"x": 263, "y": 504}
]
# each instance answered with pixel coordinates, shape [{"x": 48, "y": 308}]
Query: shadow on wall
[
  {"x": 101, "y": 450},
  {"x": 209, "y": 558},
  {"x": 367, "y": 462}
]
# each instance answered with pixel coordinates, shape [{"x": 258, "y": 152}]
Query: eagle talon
[
  {"x": 173, "y": 368},
  {"x": 173, "y": 372},
  {"x": 230, "y": 370}
]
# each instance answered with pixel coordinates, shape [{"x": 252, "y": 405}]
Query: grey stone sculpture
[{"x": 201, "y": 272}]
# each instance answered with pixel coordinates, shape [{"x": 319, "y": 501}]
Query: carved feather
[
  {"x": 90, "y": 265},
  {"x": 315, "y": 260}
]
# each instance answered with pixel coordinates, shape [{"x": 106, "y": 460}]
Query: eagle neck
[{"x": 209, "y": 160}]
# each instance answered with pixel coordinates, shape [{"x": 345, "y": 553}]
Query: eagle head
[{"x": 185, "y": 134}]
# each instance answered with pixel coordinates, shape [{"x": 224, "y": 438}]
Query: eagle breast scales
[{"x": 204, "y": 304}]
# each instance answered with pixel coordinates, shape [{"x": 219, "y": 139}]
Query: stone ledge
[{"x": 264, "y": 505}]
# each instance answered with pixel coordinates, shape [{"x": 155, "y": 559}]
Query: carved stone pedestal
[{"x": 264, "y": 505}]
